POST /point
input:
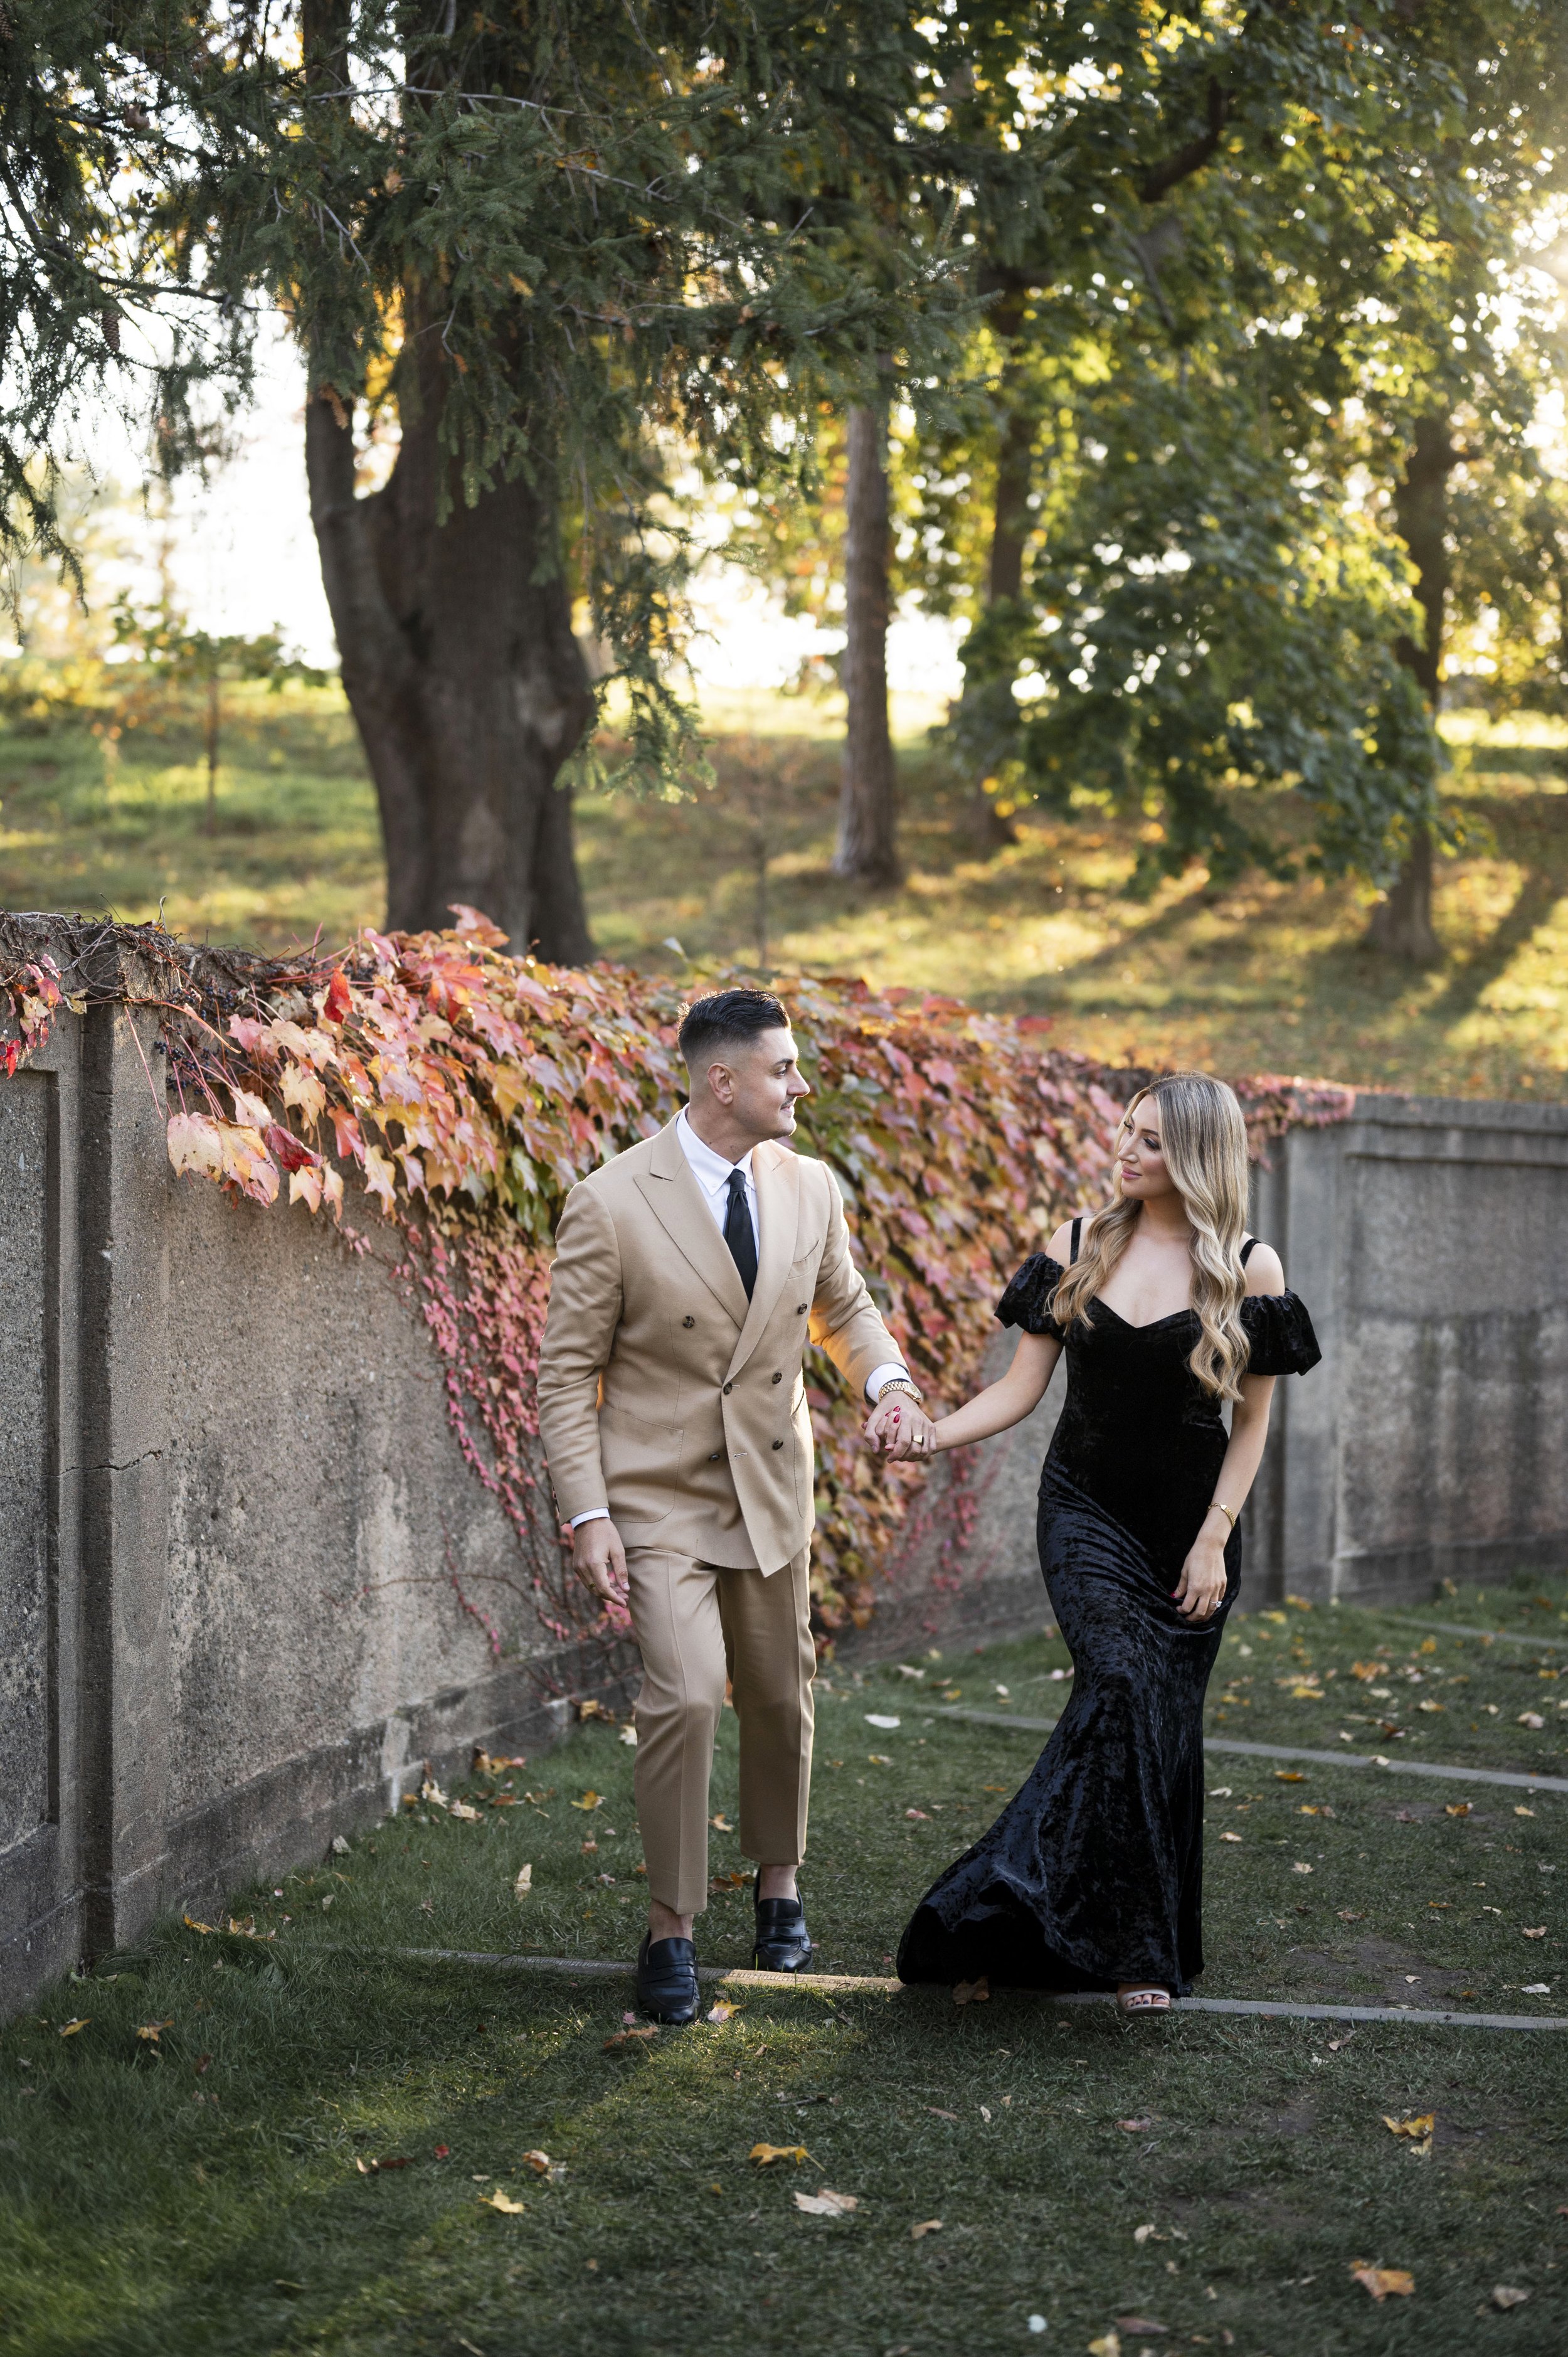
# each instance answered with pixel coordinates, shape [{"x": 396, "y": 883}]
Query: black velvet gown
[{"x": 1092, "y": 1873}]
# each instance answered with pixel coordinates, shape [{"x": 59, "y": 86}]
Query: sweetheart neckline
[{"x": 1149, "y": 1324}]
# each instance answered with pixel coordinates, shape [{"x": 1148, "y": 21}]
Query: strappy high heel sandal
[{"x": 1146, "y": 1997}]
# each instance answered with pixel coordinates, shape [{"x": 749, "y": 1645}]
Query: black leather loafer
[
  {"x": 783, "y": 1942},
  {"x": 667, "y": 1980}
]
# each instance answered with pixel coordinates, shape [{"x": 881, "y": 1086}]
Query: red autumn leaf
[
  {"x": 291, "y": 1151},
  {"x": 339, "y": 1000}
]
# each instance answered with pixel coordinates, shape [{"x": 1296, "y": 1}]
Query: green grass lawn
[
  {"x": 212, "y": 2190},
  {"x": 1258, "y": 976}
]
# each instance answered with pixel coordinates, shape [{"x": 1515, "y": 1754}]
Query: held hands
[
  {"x": 598, "y": 1559},
  {"x": 899, "y": 1428},
  {"x": 1201, "y": 1590}
]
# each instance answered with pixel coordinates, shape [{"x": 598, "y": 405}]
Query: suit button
[
  {"x": 728, "y": 1388},
  {"x": 713, "y": 1457},
  {"x": 688, "y": 1321},
  {"x": 779, "y": 1444},
  {"x": 800, "y": 1309},
  {"x": 778, "y": 1379}
]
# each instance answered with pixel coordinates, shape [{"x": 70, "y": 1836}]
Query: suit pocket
[{"x": 642, "y": 1465}]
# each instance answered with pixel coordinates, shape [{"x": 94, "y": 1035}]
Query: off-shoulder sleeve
[
  {"x": 1281, "y": 1335},
  {"x": 1028, "y": 1300}
]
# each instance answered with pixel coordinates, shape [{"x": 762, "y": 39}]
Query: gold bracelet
[{"x": 1224, "y": 1510}]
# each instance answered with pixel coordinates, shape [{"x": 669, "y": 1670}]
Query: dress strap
[
  {"x": 1247, "y": 1248},
  {"x": 1076, "y": 1232}
]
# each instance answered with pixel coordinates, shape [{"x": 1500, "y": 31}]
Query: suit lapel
[
  {"x": 777, "y": 1177},
  {"x": 674, "y": 1198}
]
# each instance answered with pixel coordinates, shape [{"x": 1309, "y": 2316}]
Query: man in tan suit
[{"x": 690, "y": 1273}]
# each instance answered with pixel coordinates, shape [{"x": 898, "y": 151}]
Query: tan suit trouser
[{"x": 695, "y": 1624}]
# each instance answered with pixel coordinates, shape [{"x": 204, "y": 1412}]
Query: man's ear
[{"x": 720, "y": 1079}]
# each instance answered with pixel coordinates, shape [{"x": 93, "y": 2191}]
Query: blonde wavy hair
[{"x": 1204, "y": 1140}]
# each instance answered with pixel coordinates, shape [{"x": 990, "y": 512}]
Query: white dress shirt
[{"x": 712, "y": 1173}]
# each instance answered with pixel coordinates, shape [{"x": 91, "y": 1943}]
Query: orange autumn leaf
[
  {"x": 1382, "y": 2282},
  {"x": 763, "y": 2154},
  {"x": 503, "y": 2203}
]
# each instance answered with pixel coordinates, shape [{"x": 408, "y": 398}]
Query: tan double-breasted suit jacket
[{"x": 667, "y": 1397}]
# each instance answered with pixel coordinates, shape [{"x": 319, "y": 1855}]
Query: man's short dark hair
[{"x": 727, "y": 1018}]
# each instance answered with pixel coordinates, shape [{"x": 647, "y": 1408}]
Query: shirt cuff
[
  {"x": 880, "y": 1377},
  {"x": 594, "y": 1514}
]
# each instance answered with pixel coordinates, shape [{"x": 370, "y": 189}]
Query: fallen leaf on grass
[
  {"x": 442, "y": 2151},
  {"x": 1531, "y": 1718},
  {"x": 461, "y": 1809},
  {"x": 730, "y": 1881},
  {"x": 1539, "y": 1934},
  {"x": 503, "y": 2203},
  {"x": 1146, "y": 2233},
  {"x": 764, "y": 2152},
  {"x": 926, "y": 2226},
  {"x": 1382, "y": 2281},
  {"x": 192, "y": 1925},
  {"x": 1509, "y": 2296},
  {"x": 1136, "y": 2127},
  {"x": 972, "y": 1992},
  {"x": 1536, "y": 1988},
  {"x": 827, "y": 2205},
  {"x": 1289, "y": 1776},
  {"x": 590, "y": 1799},
  {"x": 1108, "y": 2345},
  {"x": 1457, "y": 1809},
  {"x": 937, "y": 2112},
  {"x": 920, "y": 1814},
  {"x": 524, "y": 1883},
  {"x": 1418, "y": 2127},
  {"x": 1231, "y": 1837},
  {"x": 375, "y": 2168},
  {"x": 539, "y": 2162},
  {"x": 627, "y": 2036},
  {"x": 1350, "y": 1915},
  {"x": 879, "y": 1759},
  {"x": 69, "y": 2028},
  {"x": 1524, "y": 1813},
  {"x": 721, "y": 1824},
  {"x": 721, "y": 2011},
  {"x": 1144, "y": 2324},
  {"x": 1301, "y": 1867},
  {"x": 629, "y": 1734},
  {"x": 880, "y": 1718},
  {"x": 153, "y": 2031}
]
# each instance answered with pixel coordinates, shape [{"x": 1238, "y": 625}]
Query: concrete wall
[
  {"x": 1426, "y": 1235},
  {"x": 238, "y": 1531},
  {"x": 234, "y": 1513}
]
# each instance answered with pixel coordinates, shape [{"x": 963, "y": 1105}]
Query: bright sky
[{"x": 243, "y": 558}]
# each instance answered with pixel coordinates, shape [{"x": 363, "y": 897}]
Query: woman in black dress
[{"x": 1091, "y": 1877}]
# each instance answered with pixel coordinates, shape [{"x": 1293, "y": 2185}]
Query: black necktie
[{"x": 739, "y": 1234}]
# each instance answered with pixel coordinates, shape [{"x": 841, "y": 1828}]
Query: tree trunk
[
  {"x": 984, "y": 823},
  {"x": 1401, "y": 922},
  {"x": 460, "y": 667},
  {"x": 867, "y": 848}
]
